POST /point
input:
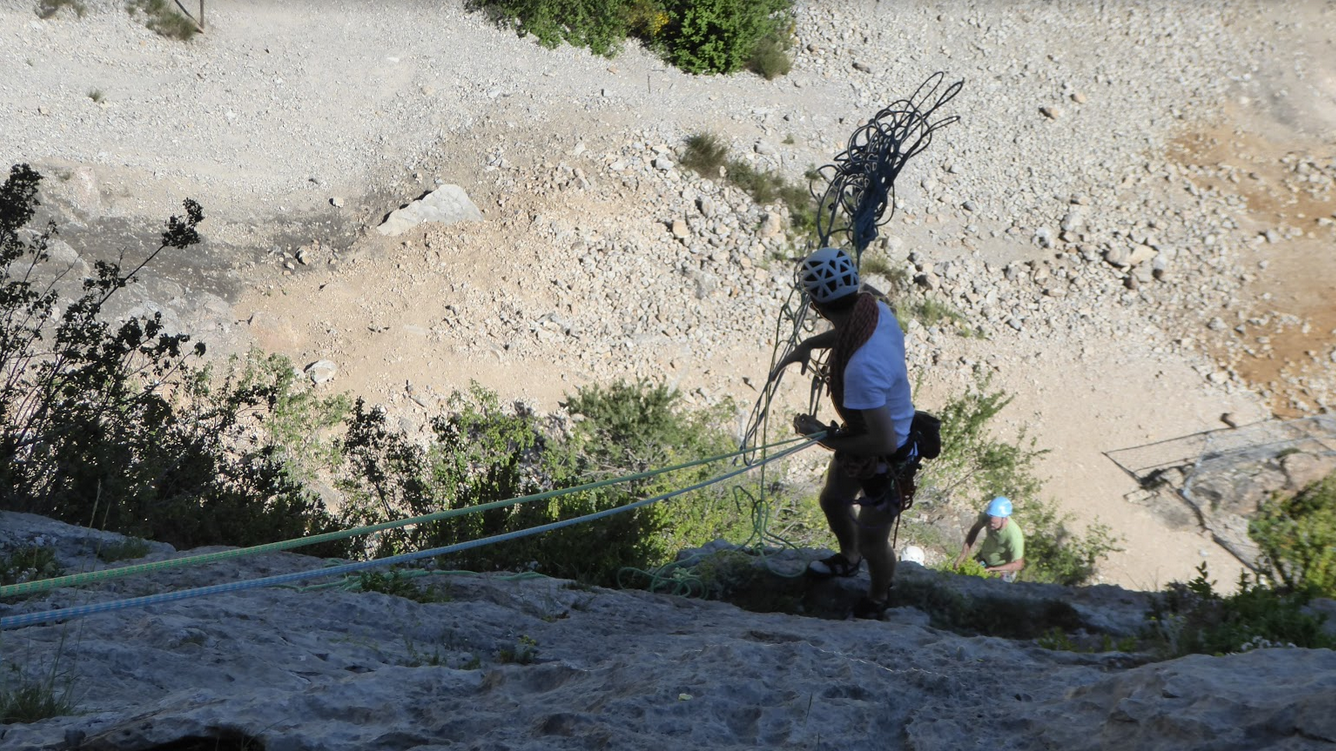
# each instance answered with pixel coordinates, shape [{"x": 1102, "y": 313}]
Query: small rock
[
  {"x": 1159, "y": 267},
  {"x": 1140, "y": 254},
  {"x": 321, "y": 371},
  {"x": 1078, "y": 97},
  {"x": 680, "y": 229},
  {"x": 663, "y": 163},
  {"x": 1229, "y": 419},
  {"x": 772, "y": 225},
  {"x": 863, "y": 67},
  {"x": 336, "y": 202},
  {"x": 928, "y": 280},
  {"x": 1072, "y": 221},
  {"x": 1052, "y": 113},
  {"x": 970, "y": 206}
]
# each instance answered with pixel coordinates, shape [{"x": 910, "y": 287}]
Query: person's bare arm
[
  {"x": 802, "y": 353},
  {"x": 1006, "y": 568},
  {"x": 969, "y": 542},
  {"x": 877, "y": 440}
]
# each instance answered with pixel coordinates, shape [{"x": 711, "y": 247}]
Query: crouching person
[{"x": 1003, "y": 549}]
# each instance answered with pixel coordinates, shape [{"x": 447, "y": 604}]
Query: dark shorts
[{"x": 878, "y": 490}]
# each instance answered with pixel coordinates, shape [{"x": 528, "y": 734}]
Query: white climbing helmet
[{"x": 828, "y": 274}]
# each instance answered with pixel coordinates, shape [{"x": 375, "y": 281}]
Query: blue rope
[{"x": 79, "y": 611}]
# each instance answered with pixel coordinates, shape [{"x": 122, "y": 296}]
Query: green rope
[{"x": 43, "y": 585}]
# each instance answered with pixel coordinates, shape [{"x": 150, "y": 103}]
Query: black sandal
[{"x": 835, "y": 565}]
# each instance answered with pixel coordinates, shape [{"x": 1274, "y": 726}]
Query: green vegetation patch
[
  {"x": 123, "y": 550},
  {"x": 1193, "y": 618},
  {"x": 49, "y": 8},
  {"x": 1297, "y": 537},
  {"x": 698, "y": 36},
  {"x": 707, "y": 156},
  {"x": 162, "y": 17},
  {"x": 30, "y": 563}
]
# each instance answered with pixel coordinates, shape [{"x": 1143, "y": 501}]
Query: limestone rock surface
[{"x": 536, "y": 663}]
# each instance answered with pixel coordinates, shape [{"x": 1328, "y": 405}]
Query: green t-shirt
[{"x": 1003, "y": 546}]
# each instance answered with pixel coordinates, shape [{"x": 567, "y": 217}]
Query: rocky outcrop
[{"x": 492, "y": 661}]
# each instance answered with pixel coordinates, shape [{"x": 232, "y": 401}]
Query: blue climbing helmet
[
  {"x": 999, "y": 506},
  {"x": 828, "y": 274}
]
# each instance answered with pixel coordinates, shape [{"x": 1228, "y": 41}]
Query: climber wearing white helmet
[
  {"x": 869, "y": 387},
  {"x": 1003, "y": 549}
]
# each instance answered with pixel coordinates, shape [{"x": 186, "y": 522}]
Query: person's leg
[
  {"x": 874, "y": 542},
  {"x": 836, "y": 498}
]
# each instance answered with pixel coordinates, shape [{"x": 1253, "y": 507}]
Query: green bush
[
  {"x": 1055, "y": 554},
  {"x": 49, "y": 8},
  {"x": 482, "y": 453},
  {"x": 770, "y": 57},
  {"x": 24, "y": 699},
  {"x": 1298, "y": 538},
  {"x": 128, "y": 549},
  {"x": 600, "y": 25},
  {"x": 629, "y": 427},
  {"x": 699, "y": 36},
  {"x": 401, "y": 582},
  {"x": 30, "y": 563},
  {"x": 721, "y": 36},
  {"x": 1193, "y": 618},
  {"x": 975, "y": 465},
  {"x": 161, "y": 17},
  {"x": 705, "y": 154},
  {"x": 930, "y": 311},
  {"x": 1001, "y": 615}
]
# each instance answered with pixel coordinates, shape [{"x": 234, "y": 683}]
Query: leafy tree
[{"x": 114, "y": 423}]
